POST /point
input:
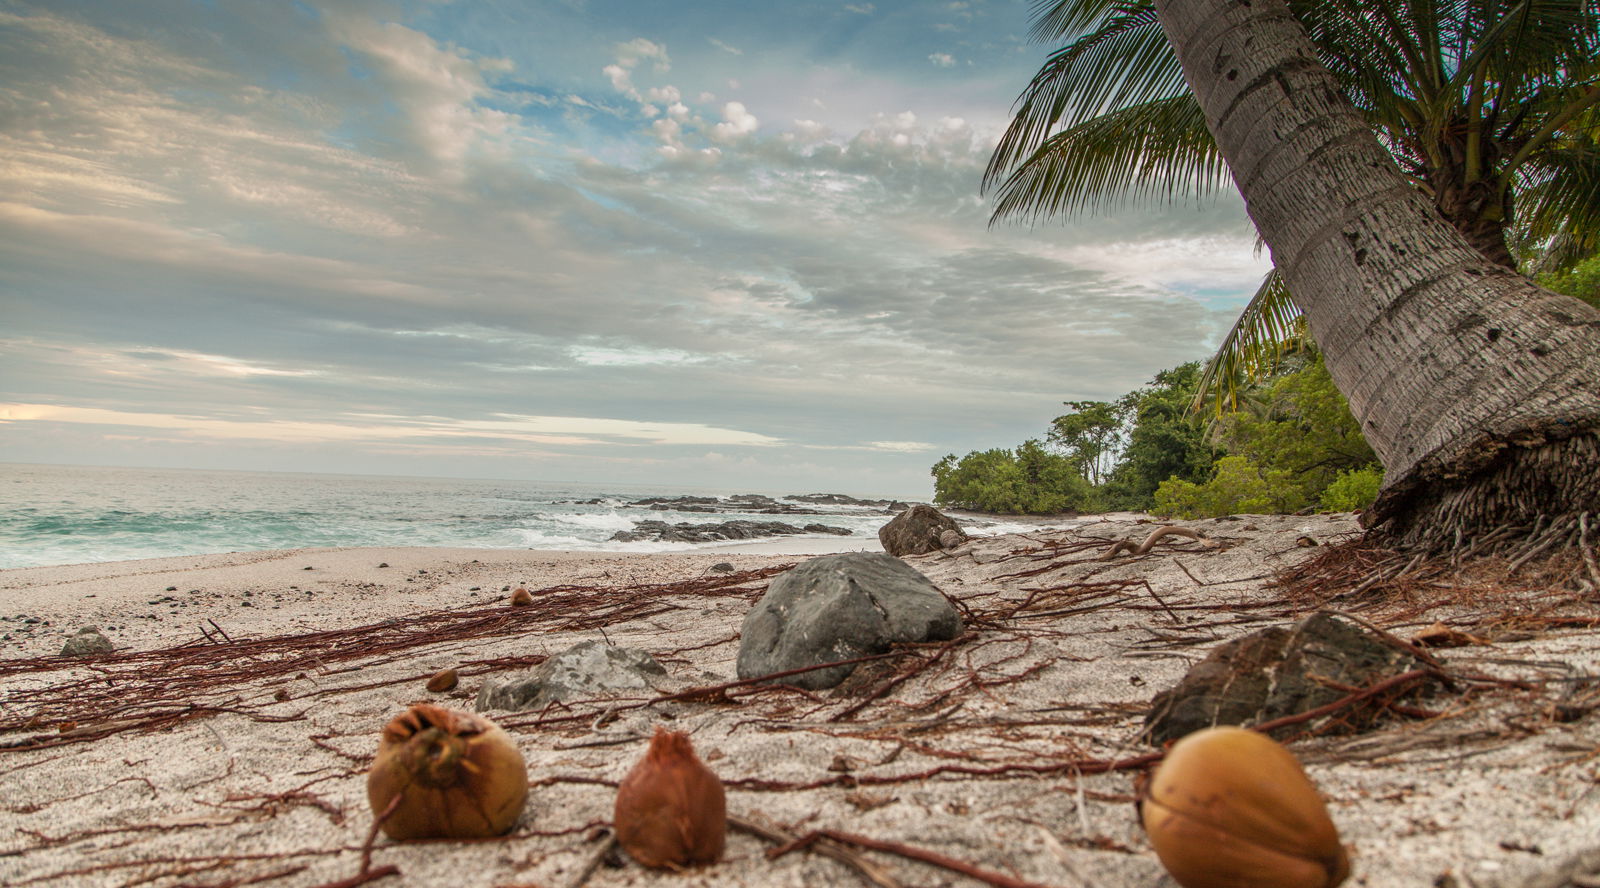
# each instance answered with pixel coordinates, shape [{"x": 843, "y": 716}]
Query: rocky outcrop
[
  {"x": 661, "y": 531},
  {"x": 919, "y": 530},
  {"x": 1274, "y": 673},
  {"x": 584, "y": 671},
  {"x": 838, "y": 499},
  {"x": 839, "y": 607}
]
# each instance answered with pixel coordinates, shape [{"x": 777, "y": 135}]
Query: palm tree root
[{"x": 1527, "y": 500}]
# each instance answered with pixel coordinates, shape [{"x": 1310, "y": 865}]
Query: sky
[{"x": 723, "y": 244}]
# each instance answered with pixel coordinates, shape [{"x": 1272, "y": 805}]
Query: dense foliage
[
  {"x": 1027, "y": 480},
  {"x": 1583, "y": 281},
  {"x": 1294, "y": 445}
]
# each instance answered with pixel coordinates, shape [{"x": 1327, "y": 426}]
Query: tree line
[{"x": 1292, "y": 444}]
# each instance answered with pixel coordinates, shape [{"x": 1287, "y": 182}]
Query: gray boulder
[
  {"x": 919, "y": 530},
  {"x": 585, "y": 670},
  {"x": 1277, "y": 672},
  {"x": 87, "y": 641},
  {"x": 839, "y": 607}
]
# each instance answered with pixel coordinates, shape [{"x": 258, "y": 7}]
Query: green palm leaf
[
  {"x": 1157, "y": 149},
  {"x": 1266, "y": 330}
]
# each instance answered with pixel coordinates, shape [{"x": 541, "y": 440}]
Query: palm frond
[
  {"x": 1159, "y": 149},
  {"x": 1265, "y": 330},
  {"x": 1124, "y": 61},
  {"x": 1558, "y": 209}
]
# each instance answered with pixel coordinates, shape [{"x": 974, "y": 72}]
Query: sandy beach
[{"x": 225, "y": 741}]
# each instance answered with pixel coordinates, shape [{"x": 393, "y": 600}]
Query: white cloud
[
  {"x": 631, "y": 357},
  {"x": 860, "y": 8},
  {"x": 903, "y": 446},
  {"x": 737, "y": 123},
  {"x": 437, "y": 87},
  {"x": 630, "y": 54},
  {"x": 942, "y": 59},
  {"x": 725, "y": 47},
  {"x": 665, "y": 95},
  {"x": 575, "y": 431}
]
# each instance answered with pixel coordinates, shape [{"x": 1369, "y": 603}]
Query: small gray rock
[
  {"x": 87, "y": 641},
  {"x": 722, "y": 567},
  {"x": 585, "y": 670},
  {"x": 839, "y": 607}
]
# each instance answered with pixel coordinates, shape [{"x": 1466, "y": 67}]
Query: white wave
[{"x": 592, "y": 520}]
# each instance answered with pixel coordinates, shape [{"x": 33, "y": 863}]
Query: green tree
[
  {"x": 1488, "y": 108},
  {"x": 1292, "y": 442},
  {"x": 1299, "y": 424},
  {"x": 1582, "y": 282},
  {"x": 1165, "y": 440},
  {"x": 1090, "y": 436},
  {"x": 1028, "y": 480}
]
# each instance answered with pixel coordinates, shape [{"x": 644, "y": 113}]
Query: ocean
[{"x": 81, "y": 514}]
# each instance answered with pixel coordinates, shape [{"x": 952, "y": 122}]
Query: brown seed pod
[
  {"x": 521, "y": 598},
  {"x": 1230, "y": 808},
  {"x": 671, "y": 811},
  {"x": 444, "y": 680},
  {"x": 458, "y": 775}
]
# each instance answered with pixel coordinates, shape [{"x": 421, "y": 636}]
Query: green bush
[
  {"x": 1582, "y": 282},
  {"x": 1238, "y": 486},
  {"x": 1030, "y": 480},
  {"x": 1352, "y": 490}
]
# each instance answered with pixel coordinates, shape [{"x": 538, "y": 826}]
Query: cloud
[
  {"x": 725, "y": 47},
  {"x": 860, "y": 8},
  {"x": 435, "y": 88},
  {"x": 569, "y": 431},
  {"x": 737, "y": 123},
  {"x": 903, "y": 446},
  {"x": 942, "y": 59}
]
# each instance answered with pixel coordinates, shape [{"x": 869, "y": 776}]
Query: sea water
[{"x": 82, "y": 514}]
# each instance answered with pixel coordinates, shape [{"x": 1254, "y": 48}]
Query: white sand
[{"x": 1493, "y": 791}]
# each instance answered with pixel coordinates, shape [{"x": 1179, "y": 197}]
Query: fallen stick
[
  {"x": 1342, "y": 702},
  {"x": 594, "y": 861},
  {"x": 921, "y": 855},
  {"x": 868, "y": 870},
  {"x": 1155, "y": 536}
]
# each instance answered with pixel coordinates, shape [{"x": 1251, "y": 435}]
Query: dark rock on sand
[
  {"x": 87, "y": 641},
  {"x": 839, "y": 607},
  {"x": 919, "y": 530},
  {"x": 661, "y": 531},
  {"x": 1269, "y": 674},
  {"x": 585, "y": 670}
]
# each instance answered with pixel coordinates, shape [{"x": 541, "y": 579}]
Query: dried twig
[
  {"x": 921, "y": 855},
  {"x": 593, "y": 862},
  {"x": 868, "y": 870}
]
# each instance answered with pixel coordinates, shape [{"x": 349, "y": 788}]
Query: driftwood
[{"x": 1137, "y": 549}]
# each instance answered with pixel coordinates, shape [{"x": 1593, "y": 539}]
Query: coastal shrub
[
  {"x": 1028, "y": 480},
  {"x": 1352, "y": 490},
  {"x": 1299, "y": 423},
  {"x": 1239, "y": 485}
]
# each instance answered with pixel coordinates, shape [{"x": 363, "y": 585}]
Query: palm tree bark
[{"x": 1479, "y": 391}]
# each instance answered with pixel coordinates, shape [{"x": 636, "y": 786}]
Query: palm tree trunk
[{"x": 1479, "y": 391}]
